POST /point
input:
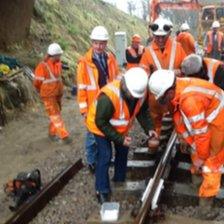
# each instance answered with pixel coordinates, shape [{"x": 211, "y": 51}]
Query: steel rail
[
  {"x": 31, "y": 208},
  {"x": 156, "y": 182}
]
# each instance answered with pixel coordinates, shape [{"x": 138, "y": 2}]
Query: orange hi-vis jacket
[
  {"x": 133, "y": 53},
  {"x": 198, "y": 105},
  {"x": 171, "y": 58},
  {"x": 47, "y": 79},
  {"x": 87, "y": 79},
  {"x": 187, "y": 41},
  {"x": 209, "y": 46},
  {"x": 153, "y": 59},
  {"x": 121, "y": 119},
  {"x": 212, "y": 66}
]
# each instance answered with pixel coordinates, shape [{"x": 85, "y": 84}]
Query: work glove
[{"x": 153, "y": 140}]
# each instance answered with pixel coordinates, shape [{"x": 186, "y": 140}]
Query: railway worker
[
  {"x": 162, "y": 53},
  {"x": 95, "y": 69},
  {"x": 198, "y": 112},
  {"x": 186, "y": 39},
  {"x": 134, "y": 52},
  {"x": 204, "y": 68},
  {"x": 110, "y": 118},
  {"x": 49, "y": 85},
  {"x": 213, "y": 43}
]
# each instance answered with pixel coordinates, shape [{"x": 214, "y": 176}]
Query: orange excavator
[
  {"x": 157, "y": 6},
  {"x": 199, "y": 14}
]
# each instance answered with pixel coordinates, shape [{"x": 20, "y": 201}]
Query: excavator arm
[{"x": 156, "y": 6}]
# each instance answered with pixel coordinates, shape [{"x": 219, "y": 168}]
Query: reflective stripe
[
  {"x": 39, "y": 78},
  {"x": 86, "y": 87},
  {"x": 219, "y": 96},
  {"x": 202, "y": 90},
  {"x": 92, "y": 85},
  {"x": 117, "y": 93},
  {"x": 51, "y": 80},
  {"x": 82, "y": 105},
  {"x": 155, "y": 59},
  {"x": 210, "y": 70},
  {"x": 173, "y": 54},
  {"x": 215, "y": 112},
  {"x": 186, "y": 121},
  {"x": 206, "y": 169},
  {"x": 199, "y": 131},
  {"x": 197, "y": 117},
  {"x": 52, "y": 77},
  {"x": 116, "y": 122},
  {"x": 82, "y": 86}
]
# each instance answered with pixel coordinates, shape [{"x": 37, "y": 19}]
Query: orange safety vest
[
  {"x": 87, "y": 79},
  {"x": 198, "y": 104},
  {"x": 171, "y": 58},
  {"x": 133, "y": 53},
  {"x": 47, "y": 78},
  {"x": 187, "y": 41},
  {"x": 121, "y": 119},
  {"x": 210, "y": 43},
  {"x": 212, "y": 66}
]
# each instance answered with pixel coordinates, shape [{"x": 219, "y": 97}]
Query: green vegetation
[{"x": 70, "y": 22}]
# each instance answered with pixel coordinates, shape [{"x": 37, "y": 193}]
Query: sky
[{"x": 122, "y": 5}]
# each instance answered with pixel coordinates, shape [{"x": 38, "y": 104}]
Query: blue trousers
[
  {"x": 104, "y": 154},
  {"x": 91, "y": 150}
]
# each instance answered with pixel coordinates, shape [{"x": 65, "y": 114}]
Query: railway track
[
  {"x": 151, "y": 180},
  {"x": 155, "y": 182},
  {"x": 29, "y": 209}
]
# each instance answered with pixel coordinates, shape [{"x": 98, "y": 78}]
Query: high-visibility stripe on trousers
[{"x": 53, "y": 108}]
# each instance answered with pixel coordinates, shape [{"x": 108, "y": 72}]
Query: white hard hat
[
  {"x": 99, "y": 33},
  {"x": 184, "y": 26},
  {"x": 54, "y": 49},
  {"x": 215, "y": 24},
  {"x": 161, "y": 27},
  {"x": 136, "y": 80},
  {"x": 191, "y": 64},
  {"x": 169, "y": 23},
  {"x": 160, "y": 81}
]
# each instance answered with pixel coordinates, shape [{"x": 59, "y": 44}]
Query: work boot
[
  {"x": 54, "y": 138},
  {"x": 206, "y": 209},
  {"x": 67, "y": 140},
  {"x": 102, "y": 197},
  {"x": 92, "y": 168}
]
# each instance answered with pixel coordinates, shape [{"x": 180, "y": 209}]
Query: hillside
[{"x": 69, "y": 23}]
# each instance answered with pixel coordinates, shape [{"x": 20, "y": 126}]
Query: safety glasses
[{"x": 155, "y": 27}]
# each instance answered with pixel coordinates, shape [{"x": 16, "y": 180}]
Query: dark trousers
[{"x": 104, "y": 154}]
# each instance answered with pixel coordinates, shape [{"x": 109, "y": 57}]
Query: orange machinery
[{"x": 156, "y": 6}]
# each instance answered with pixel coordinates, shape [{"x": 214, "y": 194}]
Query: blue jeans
[
  {"x": 104, "y": 154},
  {"x": 90, "y": 144}
]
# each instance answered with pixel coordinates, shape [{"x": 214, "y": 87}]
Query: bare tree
[
  {"x": 145, "y": 9},
  {"x": 131, "y": 7}
]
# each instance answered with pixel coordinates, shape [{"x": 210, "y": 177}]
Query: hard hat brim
[
  {"x": 160, "y": 33},
  {"x": 100, "y": 39}
]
